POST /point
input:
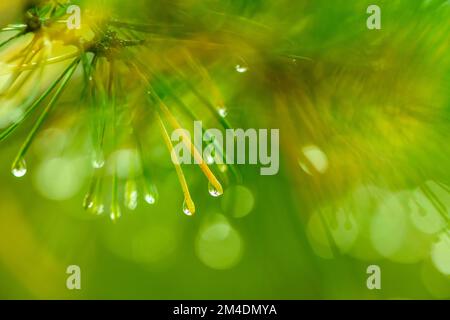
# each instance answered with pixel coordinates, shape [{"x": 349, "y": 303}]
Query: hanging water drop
[
  {"x": 150, "y": 199},
  {"x": 97, "y": 209},
  {"x": 19, "y": 168},
  {"x": 151, "y": 195},
  {"x": 241, "y": 68},
  {"x": 88, "y": 202},
  {"x": 223, "y": 112},
  {"x": 209, "y": 159},
  {"x": 213, "y": 190},
  {"x": 186, "y": 209},
  {"x": 98, "y": 160},
  {"x": 115, "y": 213},
  {"x": 100, "y": 209},
  {"x": 131, "y": 195}
]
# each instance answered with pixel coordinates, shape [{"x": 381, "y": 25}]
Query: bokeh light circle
[
  {"x": 238, "y": 201},
  {"x": 218, "y": 245},
  {"x": 389, "y": 226},
  {"x": 59, "y": 178},
  {"x": 440, "y": 254}
]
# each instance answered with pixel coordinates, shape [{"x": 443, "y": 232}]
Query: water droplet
[
  {"x": 241, "y": 69},
  {"x": 131, "y": 195},
  {"x": 151, "y": 195},
  {"x": 150, "y": 199},
  {"x": 99, "y": 160},
  {"x": 100, "y": 209},
  {"x": 88, "y": 202},
  {"x": 94, "y": 208},
  {"x": 223, "y": 112},
  {"x": 209, "y": 159},
  {"x": 186, "y": 209},
  {"x": 19, "y": 168},
  {"x": 132, "y": 201},
  {"x": 213, "y": 190},
  {"x": 115, "y": 213}
]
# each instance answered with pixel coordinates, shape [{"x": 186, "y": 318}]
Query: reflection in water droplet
[
  {"x": 186, "y": 209},
  {"x": 115, "y": 213},
  {"x": 99, "y": 209},
  {"x": 91, "y": 206},
  {"x": 151, "y": 194},
  {"x": 241, "y": 69},
  {"x": 98, "y": 160},
  {"x": 209, "y": 159},
  {"x": 213, "y": 191},
  {"x": 223, "y": 112},
  {"x": 131, "y": 195},
  {"x": 150, "y": 199},
  {"x": 88, "y": 201},
  {"x": 19, "y": 168}
]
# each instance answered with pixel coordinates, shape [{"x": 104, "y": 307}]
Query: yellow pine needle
[
  {"x": 186, "y": 140},
  {"x": 24, "y": 67},
  {"x": 30, "y": 54},
  {"x": 197, "y": 156},
  {"x": 187, "y": 196},
  {"x": 207, "y": 78}
]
